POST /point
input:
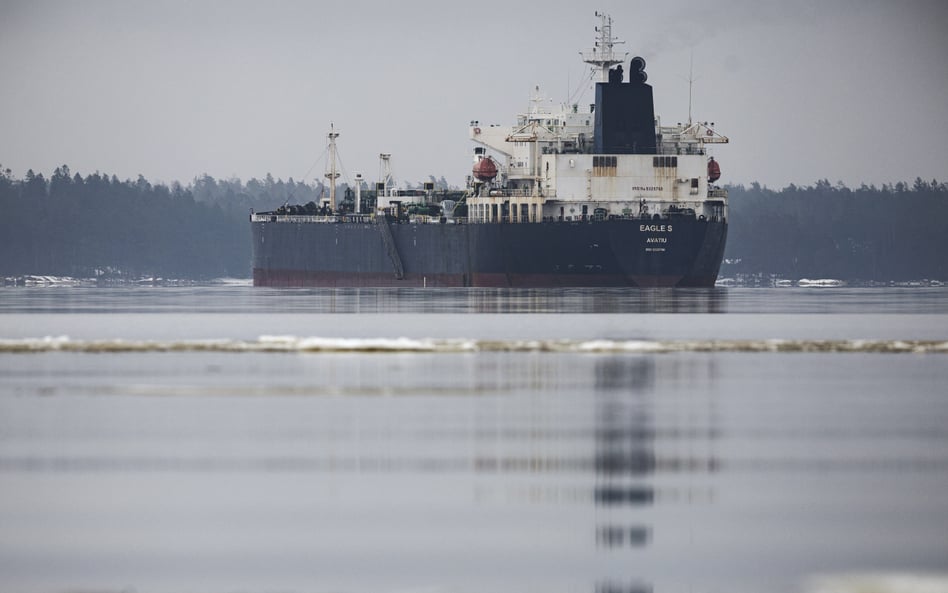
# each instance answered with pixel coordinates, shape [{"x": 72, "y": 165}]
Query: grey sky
[{"x": 846, "y": 90}]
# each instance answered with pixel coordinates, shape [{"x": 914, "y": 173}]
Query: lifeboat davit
[
  {"x": 714, "y": 170},
  {"x": 485, "y": 169}
]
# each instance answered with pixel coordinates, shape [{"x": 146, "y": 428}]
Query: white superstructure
[{"x": 543, "y": 167}]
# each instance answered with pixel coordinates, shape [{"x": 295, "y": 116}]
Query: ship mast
[
  {"x": 603, "y": 55},
  {"x": 385, "y": 163},
  {"x": 332, "y": 174}
]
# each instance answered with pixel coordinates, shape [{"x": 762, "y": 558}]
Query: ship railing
[
  {"x": 366, "y": 218},
  {"x": 311, "y": 218},
  {"x": 515, "y": 193},
  {"x": 717, "y": 193}
]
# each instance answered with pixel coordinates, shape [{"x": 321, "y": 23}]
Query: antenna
[{"x": 691, "y": 81}]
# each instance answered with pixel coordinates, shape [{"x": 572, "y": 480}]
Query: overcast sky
[{"x": 850, "y": 90}]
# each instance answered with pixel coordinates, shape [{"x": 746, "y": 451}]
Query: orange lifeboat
[
  {"x": 714, "y": 170},
  {"x": 485, "y": 169}
]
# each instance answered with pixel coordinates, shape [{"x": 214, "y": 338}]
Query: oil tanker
[{"x": 568, "y": 196}]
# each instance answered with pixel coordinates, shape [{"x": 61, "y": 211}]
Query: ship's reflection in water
[
  {"x": 603, "y": 300},
  {"x": 624, "y": 454},
  {"x": 652, "y": 417},
  {"x": 469, "y": 472},
  {"x": 496, "y": 300}
]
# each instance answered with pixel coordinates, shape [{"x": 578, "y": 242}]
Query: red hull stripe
[{"x": 298, "y": 278}]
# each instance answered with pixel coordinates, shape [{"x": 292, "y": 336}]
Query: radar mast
[{"x": 603, "y": 56}]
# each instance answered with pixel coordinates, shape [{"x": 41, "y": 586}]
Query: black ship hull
[{"x": 676, "y": 251}]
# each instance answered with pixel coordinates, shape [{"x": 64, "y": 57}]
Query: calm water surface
[{"x": 198, "y": 468}]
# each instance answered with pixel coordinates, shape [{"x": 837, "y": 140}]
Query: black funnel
[{"x": 625, "y": 113}]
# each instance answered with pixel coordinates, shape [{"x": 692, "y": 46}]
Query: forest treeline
[
  {"x": 99, "y": 225},
  {"x": 896, "y": 232}
]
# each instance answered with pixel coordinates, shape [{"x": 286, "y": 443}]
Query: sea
[{"x": 222, "y": 438}]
